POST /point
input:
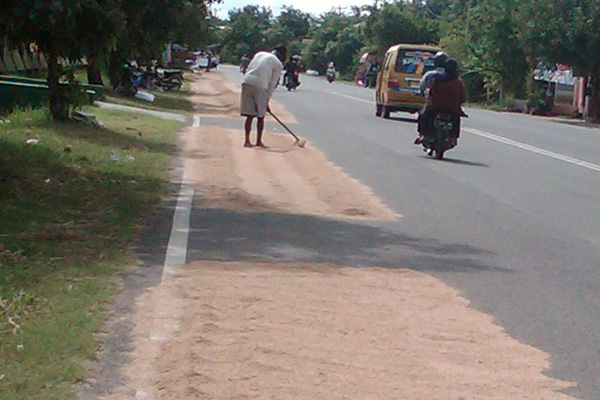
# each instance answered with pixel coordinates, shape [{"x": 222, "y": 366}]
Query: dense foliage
[
  {"x": 99, "y": 31},
  {"x": 497, "y": 42}
]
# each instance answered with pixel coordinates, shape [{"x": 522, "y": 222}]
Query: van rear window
[{"x": 414, "y": 61}]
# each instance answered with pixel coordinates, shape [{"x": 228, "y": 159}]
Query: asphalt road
[{"x": 511, "y": 217}]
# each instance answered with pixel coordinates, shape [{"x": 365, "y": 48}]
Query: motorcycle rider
[
  {"x": 439, "y": 60},
  {"x": 447, "y": 94},
  {"x": 370, "y": 77},
  {"x": 292, "y": 72},
  {"x": 330, "y": 72}
]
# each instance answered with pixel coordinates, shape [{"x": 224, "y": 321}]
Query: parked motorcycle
[
  {"x": 441, "y": 138},
  {"x": 131, "y": 80},
  {"x": 168, "y": 80}
]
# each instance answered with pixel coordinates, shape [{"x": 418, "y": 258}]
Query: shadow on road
[
  {"x": 457, "y": 161},
  {"x": 404, "y": 119},
  {"x": 231, "y": 236}
]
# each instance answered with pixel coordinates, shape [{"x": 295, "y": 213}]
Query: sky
[{"x": 309, "y": 6}]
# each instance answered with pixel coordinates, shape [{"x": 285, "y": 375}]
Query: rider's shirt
[{"x": 427, "y": 80}]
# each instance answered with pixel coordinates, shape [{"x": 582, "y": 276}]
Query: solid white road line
[
  {"x": 178, "y": 241},
  {"x": 533, "y": 149}
]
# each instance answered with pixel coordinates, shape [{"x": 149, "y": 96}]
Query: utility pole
[{"x": 339, "y": 9}]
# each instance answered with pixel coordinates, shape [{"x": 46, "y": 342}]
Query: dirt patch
[
  {"x": 281, "y": 178},
  {"x": 248, "y": 330},
  {"x": 302, "y": 331}
]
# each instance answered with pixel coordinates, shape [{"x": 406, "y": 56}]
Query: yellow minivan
[{"x": 399, "y": 77}]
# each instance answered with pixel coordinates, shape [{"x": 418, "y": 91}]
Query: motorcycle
[
  {"x": 440, "y": 140},
  {"x": 292, "y": 81},
  {"x": 169, "y": 80},
  {"x": 131, "y": 80}
]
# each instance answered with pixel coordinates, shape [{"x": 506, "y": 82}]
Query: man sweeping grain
[{"x": 258, "y": 85}]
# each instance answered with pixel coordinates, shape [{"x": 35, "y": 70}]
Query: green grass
[
  {"x": 71, "y": 207},
  {"x": 173, "y": 101}
]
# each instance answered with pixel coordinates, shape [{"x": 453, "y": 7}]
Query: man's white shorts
[{"x": 254, "y": 101}]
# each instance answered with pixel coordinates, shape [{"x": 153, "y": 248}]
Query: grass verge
[
  {"x": 73, "y": 198},
  {"x": 173, "y": 101}
]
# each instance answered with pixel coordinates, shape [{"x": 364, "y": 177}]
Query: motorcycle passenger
[{"x": 447, "y": 94}]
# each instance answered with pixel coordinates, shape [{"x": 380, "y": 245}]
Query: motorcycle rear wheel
[
  {"x": 439, "y": 154},
  {"x": 439, "y": 147}
]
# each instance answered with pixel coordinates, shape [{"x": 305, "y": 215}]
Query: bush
[{"x": 541, "y": 99}]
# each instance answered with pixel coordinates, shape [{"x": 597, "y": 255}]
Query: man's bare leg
[
  {"x": 248, "y": 129},
  {"x": 260, "y": 126}
]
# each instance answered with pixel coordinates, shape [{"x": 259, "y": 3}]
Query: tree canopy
[
  {"x": 95, "y": 29},
  {"x": 496, "y": 41},
  {"x": 567, "y": 32}
]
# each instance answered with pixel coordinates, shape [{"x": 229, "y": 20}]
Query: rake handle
[{"x": 284, "y": 125}]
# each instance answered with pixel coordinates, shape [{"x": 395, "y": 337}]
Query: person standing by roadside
[{"x": 258, "y": 86}]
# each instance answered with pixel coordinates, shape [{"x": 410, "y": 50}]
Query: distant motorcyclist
[
  {"x": 330, "y": 72},
  {"x": 369, "y": 79},
  {"x": 447, "y": 94},
  {"x": 291, "y": 77}
]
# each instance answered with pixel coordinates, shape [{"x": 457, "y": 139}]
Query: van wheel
[
  {"x": 386, "y": 112},
  {"x": 378, "y": 110}
]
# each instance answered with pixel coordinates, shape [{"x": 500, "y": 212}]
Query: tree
[
  {"x": 437, "y": 8},
  {"x": 62, "y": 29},
  {"x": 247, "y": 29},
  {"x": 75, "y": 29},
  {"x": 400, "y": 23},
  {"x": 194, "y": 27},
  {"x": 296, "y": 21},
  {"x": 495, "y": 46},
  {"x": 151, "y": 24},
  {"x": 335, "y": 38},
  {"x": 567, "y": 32}
]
